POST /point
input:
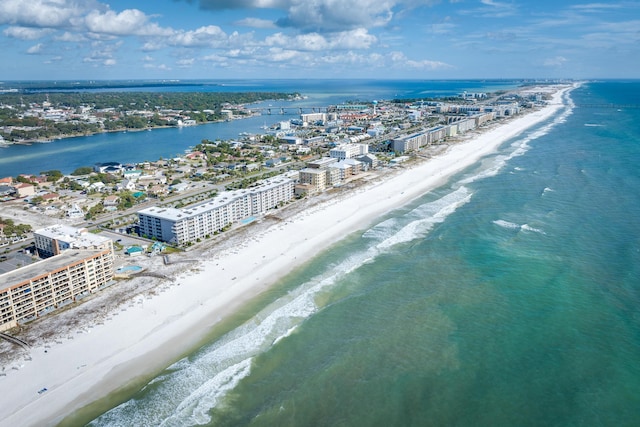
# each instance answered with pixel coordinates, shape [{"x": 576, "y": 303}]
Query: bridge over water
[{"x": 289, "y": 110}]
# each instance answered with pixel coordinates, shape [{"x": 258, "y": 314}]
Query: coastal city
[
  {"x": 319, "y": 213},
  {"x": 64, "y": 237}
]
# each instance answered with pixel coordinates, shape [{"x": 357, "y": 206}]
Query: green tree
[
  {"x": 52, "y": 175},
  {"x": 83, "y": 170}
]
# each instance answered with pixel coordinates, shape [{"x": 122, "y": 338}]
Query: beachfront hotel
[
  {"x": 39, "y": 288},
  {"x": 181, "y": 226}
]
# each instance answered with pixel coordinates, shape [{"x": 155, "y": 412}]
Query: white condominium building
[
  {"x": 349, "y": 151},
  {"x": 180, "y": 226}
]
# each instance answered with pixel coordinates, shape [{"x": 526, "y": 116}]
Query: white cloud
[
  {"x": 595, "y": 7},
  {"x": 35, "y": 49},
  {"x": 24, "y": 33},
  {"x": 399, "y": 59},
  {"x": 557, "y": 61},
  {"x": 354, "y": 39},
  {"x": 103, "y": 53},
  {"x": 278, "y": 54},
  {"x": 53, "y": 59},
  {"x": 492, "y": 9},
  {"x": 70, "y": 37},
  {"x": 323, "y": 15},
  {"x": 162, "y": 67},
  {"x": 210, "y": 35},
  {"x": 256, "y": 23},
  {"x": 127, "y": 22},
  {"x": 337, "y": 15},
  {"x": 442, "y": 28},
  {"x": 44, "y": 13},
  {"x": 185, "y": 63}
]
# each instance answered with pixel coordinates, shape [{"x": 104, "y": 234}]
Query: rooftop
[
  {"x": 78, "y": 236},
  {"x": 43, "y": 267}
]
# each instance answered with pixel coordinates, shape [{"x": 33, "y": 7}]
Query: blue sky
[{"x": 387, "y": 39}]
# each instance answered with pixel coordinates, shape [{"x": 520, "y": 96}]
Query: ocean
[{"x": 510, "y": 296}]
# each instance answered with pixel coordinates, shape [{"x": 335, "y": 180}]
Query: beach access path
[{"x": 146, "y": 336}]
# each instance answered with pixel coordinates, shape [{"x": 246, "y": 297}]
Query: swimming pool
[{"x": 129, "y": 269}]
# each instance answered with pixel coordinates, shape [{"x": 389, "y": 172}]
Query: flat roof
[
  {"x": 40, "y": 268},
  {"x": 78, "y": 236},
  {"x": 222, "y": 199}
]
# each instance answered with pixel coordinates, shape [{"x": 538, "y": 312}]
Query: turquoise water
[
  {"x": 507, "y": 297},
  {"x": 129, "y": 268}
]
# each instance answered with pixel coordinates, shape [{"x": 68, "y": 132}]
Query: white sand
[{"x": 156, "y": 330}]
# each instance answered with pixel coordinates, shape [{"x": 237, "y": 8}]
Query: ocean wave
[
  {"x": 513, "y": 226},
  {"x": 527, "y": 227},
  {"x": 428, "y": 215},
  {"x": 506, "y": 224},
  {"x": 193, "y": 386},
  {"x": 521, "y": 145}
]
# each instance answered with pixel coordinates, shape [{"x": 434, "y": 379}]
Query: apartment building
[
  {"x": 349, "y": 151},
  {"x": 39, "y": 288},
  {"x": 180, "y": 226}
]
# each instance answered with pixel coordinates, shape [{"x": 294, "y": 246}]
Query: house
[
  {"x": 82, "y": 183},
  {"x": 179, "y": 187},
  {"x": 126, "y": 184},
  {"x": 6, "y": 190},
  {"x": 75, "y": 212},
  {"x": 25, "y": 190},
  {"x": 114, "y": 168},
  {"x": 196, "y": 155},
  {"x": 50, "y": 197},
  {"x": 98, "y": 186},
  {"x": 6, "y": 181},
  {"x": 111, "y": 201},
  {"x": 158, "y": 190},
  {"x": 132, "y": 175},
  {"x": 272, "y": 162}
]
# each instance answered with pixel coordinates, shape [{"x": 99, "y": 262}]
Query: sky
[{"x": 384, "y": 39}]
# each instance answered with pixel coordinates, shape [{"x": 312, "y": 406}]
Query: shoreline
[
  {"x": 133, "y": 342},
  {"x": 28, "y": 142}
]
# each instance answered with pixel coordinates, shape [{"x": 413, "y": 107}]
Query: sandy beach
[{"x": 146, "y": 335}]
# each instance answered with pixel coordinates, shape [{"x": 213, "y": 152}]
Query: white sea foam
[
  {"x": 521, "y": 145},
  {"x": 527, "y": 227},
  {"x": 513, "y": 226},
  {"x": 382, "y": 230},
  {"x": 197, "y": 385},
  {"x": 593, "y": 125},
  {"x": 428, "y": 215},
  {"x": 547, "y": 190},
  {"x": 506, "y": 224},
  {"x": 194, "y": 410}
]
